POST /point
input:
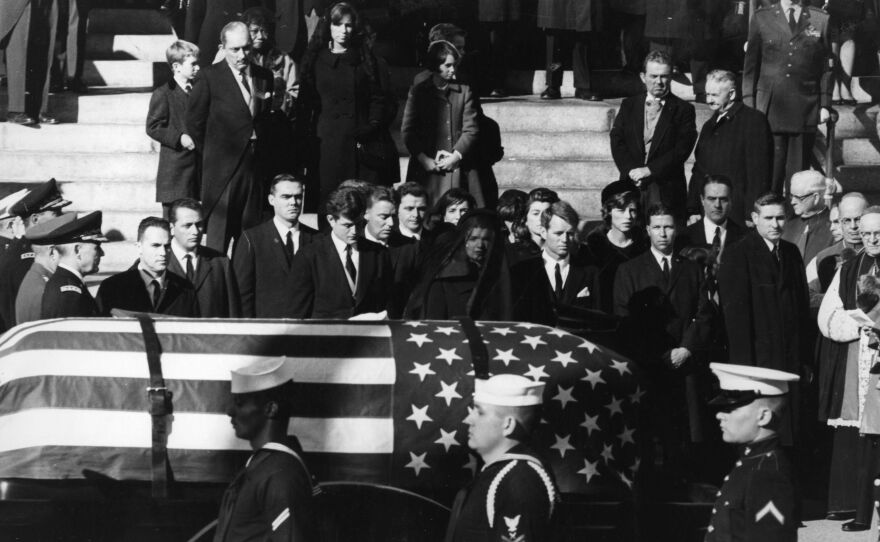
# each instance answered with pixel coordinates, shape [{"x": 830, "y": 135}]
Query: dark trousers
[
  {"x": 29, "y": 49},
  {"x": 71, "y": 43},
  {"x": 559, "y": 42},
  {"x": 867, "y": 469},
  {"x": 791, "y": 153},
  {"x": 632, "y": 30},
  {"x": 843, "y": 478},
  {"x": 238, "y": 207},
  {"x": 500, "y": 54}
]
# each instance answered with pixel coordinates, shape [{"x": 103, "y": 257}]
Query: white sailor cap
[
  {"x": 742, "y": 384},
  {"x": 10, "y": 200},
  {"x": 261, "y": 375},
  {"x": 508, "y": 390}
]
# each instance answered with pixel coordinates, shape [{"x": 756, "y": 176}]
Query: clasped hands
[
  {"x": 444, "y": 162},
  {"x": 638, "y": 175}
]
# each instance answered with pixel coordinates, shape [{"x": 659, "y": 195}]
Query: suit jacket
[
  {"x": 127, "y": 291},
  {"x": 214, "y": 283},
  {"x": 695, "y": 235},
  {"x": 29, "y": 301},
  {"x": 765, "y": 304},
  {"x": 740, "y": 147},
  {"x": 321, "y": 289},
  {"x": 534, "y": 298},
  {"x": 810, "y": 235},
  {"x": 787, "y": 75},
  {"x": 221, "y": 125},
  {"x": 674, "y": 138},
  {"x": 14, "y": 265},
  {"x": 10, "y": 13},
  {"x": 66, "y": 296},
  {"x": 265, "y": 277},
  {"x": 166, "y": 122}
]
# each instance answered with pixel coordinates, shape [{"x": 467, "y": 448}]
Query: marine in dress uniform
[
  {"x": 757, "y": 501},
  {"x": 11, "y": 227},
  {"x": 514, "y": 494},
  {"x": 79, "y": 247},
  {"x": 271, "y": 498},
  {"x": 29, "y": 301}
]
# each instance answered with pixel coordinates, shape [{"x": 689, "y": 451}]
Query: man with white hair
[
  {"x": 821, "y": 269},
  {"x": 514, "y": 495},
  {"x": 810, "y": 228}
]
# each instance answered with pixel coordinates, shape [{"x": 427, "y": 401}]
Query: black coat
[
  {"x": 127, "y": 291},
  {"x": 66, "y": 296},
  {"x": 265, "y": 277},
  {"x": 320, "y": 287},
  {"x": 766, "y": 306},
  {"x": 14, "y": 264},
  {"x": 674, "y": 138},
  {"x": 534, "y": 297},
  {"x": 740, "y": 147},
  {"x": 166, "y": 122},
  {"x": 214, "y": 283},
  {"x": 608, "y": 258},
  {"x": 695, "y": 235}
]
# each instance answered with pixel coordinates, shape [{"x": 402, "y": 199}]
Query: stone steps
[
  {"x": 78, "y": 138},
  {"x": 36, "y": 166},
  {"x": 148, "y": 47},
  {"x": 125, "y": 73}
]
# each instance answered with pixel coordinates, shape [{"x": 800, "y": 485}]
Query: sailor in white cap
[
  {"x": 757, "y": 501},
  {"x": 514, "y": 494},
  {"x": 271, "y": 498}
]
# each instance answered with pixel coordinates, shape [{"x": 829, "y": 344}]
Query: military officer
[
  {"x": 78, "y": 244},
  {"x": 787, "y": 77},
  {"x": 514, "y": 494},
  {"x": 29, "y": 301},
  {"x": 271, "y": 498},
  {"x": 11, "y": 226},
  {"x": 757, "y": 501}
]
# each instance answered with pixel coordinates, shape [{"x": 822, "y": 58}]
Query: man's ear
[
  {"x": 765, "y": 416},
  {"x": 508, "y": 426},
  {"x": 271, "y": 409}
]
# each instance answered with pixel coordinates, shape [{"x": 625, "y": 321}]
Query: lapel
[
  {"x": 674, "y": 272},
  {"x": 203, "y": 269},
  {"x": 803, "y": 22},
  {"x": 698, "y": 234},
  {"x": 662, "y": 125},
  {"x": 780, "y": 19},
  {"x": 637, "y": 127},
  {"x": 767, "y": 256},
  {"x": 278, "y": 245},
  {"x": 232, "y": 81},
  {"x": 139, "y": 289},
  {"x": 332, "y": 265},
  {"x": 573, "y": 282},
  {"x": 366, "y": 268}
]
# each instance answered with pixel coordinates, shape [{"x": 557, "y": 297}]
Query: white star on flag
[
  {"x": 608, "y": 453},
  {"x": 626, "y": 436},
  {"x": 471, "y": 465},
  {"x": 448, "y": 355},
  {"x": 446, "y": 330},
  {"x": 636, "y": 396},
  {"x": 615, "y": 406},
  {"x": 503, "y": 331},
  {"x": 448, "y": 392},
  {"x": 558, "y": 332},
  {"x": 562, "y": 444},
  {"x": 419, "y": 338},
  {"x": 621, "y": 366},
  {"x": 419, "y": 415},
  {"x": 422, "y": 370},
  {"x": 564, "y": 358},
  {"x": 564, "y": 396},
  {"x": 594, "y": 378},
  {"x": 532, "y": 341},
  {"x": 447, "y": 439},
  {"x": 527, "y": 325},
  {"x": 414, "y": 324},
  {"x": 591, "y": 423},
  {"x": 506, "y": 356},
  {"x": 589, "y": 469},
  {"x": 589, "y": 346},
  {"x": 417, "y": 462},
  {"x": 536, "y": 372}
]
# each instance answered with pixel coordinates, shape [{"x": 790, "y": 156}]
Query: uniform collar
[{"x": 760, "y": 447}]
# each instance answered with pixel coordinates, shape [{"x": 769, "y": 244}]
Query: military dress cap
[
  {"x": 742, "y": 384},
  {"x": 42, "y": 231},
  {"x": 508, "y": 390},
  {"x": 41, "y": 198},
  {"x": 261, "y": 375},
  {"x": 10, "y": 200},
  {"x": 86, "y": 228},
  {"x": 621, "y": 186}
]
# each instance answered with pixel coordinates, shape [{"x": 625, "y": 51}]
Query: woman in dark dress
[{"x": 344, "y": 105}]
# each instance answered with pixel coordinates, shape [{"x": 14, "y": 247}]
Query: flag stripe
[
  {"x": 209, "y": 396},
  {"x": 189, "y": 431}
]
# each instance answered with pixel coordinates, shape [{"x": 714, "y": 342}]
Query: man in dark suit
[
  {"x": 78, "y": 244},
  {"x": 147, "y": 286},
  {"x": 659, "y": 298},
  {"x": 715, "y": 229},
  {"x": 209, "y": 272},
  {"x": 224, "y": 117},
  {"x": 412, "y": 206},
  {"x": 810, "y": 227},
  {"x": 263, "y": 257},
  {"x": 735, "y": 142},
  {"x": 653, "y": 135},
  {"x": 787, "y": 76},
  {"x": 341, "y": 275}
]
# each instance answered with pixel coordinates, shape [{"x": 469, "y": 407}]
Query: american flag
[{"x": 374, "y": 402}]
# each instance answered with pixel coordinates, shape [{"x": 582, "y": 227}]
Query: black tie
[
  {"x": 791, "y": 22},
  {"x": 666, "y": 271},
  {"x": 349, "y": 265},
  {"x": 157, "y": 293},
  {"x": 558, "y": 290},
  {"x": 716, "y": 241},
  {"x": 190, "y": 272},
  {"x": 775, "y": 253},
  {"x": 290, "y": 250}
]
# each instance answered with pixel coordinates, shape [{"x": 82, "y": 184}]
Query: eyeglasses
[
  {"x": 802, "y": 198},
  {"x": 848, "y": 221},
  {"x": 870, "y": 234}
]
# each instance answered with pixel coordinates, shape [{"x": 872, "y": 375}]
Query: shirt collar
[
  {"x": 148, "y": 277},
  {"x": 649, "y": 99},
  {"x": 284, "y": 228},
  {"x": 182, "y": 83},
  {"x": 340, "y": 244},
  {"x": 406, "y": 232},
  {"x": 179, "y": 251},
  {"x": 371, "y": 237},
  {"x": 786, "y": 4},
  {"x": 659, "y": 256},
  {"x": 770, "y": 244},
  {"x": 709, "y": 228},
  {"x": 551, "y": 261}
]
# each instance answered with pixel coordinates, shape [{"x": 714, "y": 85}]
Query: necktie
[
  {"x": 290, "y": 248},
  {"x": 157, "y": 292},
  {"x": 775, "y": 253},
  {"x": 652, "y": 109},
  {"x": 558, "y": 289},
  {"x": 666, "y": 271},
  {"x": 244, "y": 81},
  {"x": 349, "y": 265},
  {"x": 716, "y": 241},
  {"x": 792, "y": 24},
  {"x": 190, "y": 272}
]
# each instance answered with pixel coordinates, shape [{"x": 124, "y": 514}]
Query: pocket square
[{"x": 584, "y": 293}]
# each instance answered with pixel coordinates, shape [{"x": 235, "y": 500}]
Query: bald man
[
  {"x": 821, "y": 269},
  {"x": 810, "y": 228}
]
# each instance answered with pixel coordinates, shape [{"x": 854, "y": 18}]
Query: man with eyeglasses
[
  {"x": 822, "y": 268},
  {"x": 810, "y": 228},
  {"x": 849, "y": 410}
]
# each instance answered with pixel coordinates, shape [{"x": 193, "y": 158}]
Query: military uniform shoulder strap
[
  {"x": 278, "y": 447},
  {"x": 514, "y": 459}
]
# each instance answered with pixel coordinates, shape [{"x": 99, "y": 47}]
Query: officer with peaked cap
[
  {"x": 42, "y": 203},
  {"x": 78, "y": 244},
  {"x": 757, "y": 501},
  {"x": 271, "y": 498},
  {"x": 11, "y": 226},
  {"x": 514, "y": 494},
  {"x": 29, "y": 301}
]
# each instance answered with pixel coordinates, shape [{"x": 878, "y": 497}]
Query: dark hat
[
  {"x": 42, "y": 231},
  {"x": 742, "y": 384},
  {"x": 618, "y": 187},
  {"x": 41, "y": 198},
  {"x": 86, "y": 228}
]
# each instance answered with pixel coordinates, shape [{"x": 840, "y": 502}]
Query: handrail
[{"x": 831, "y": 185}]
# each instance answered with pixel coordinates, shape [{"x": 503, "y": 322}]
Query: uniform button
[
  {"x": 714, "y": 511},
  {"x": 726, "y": 503},
  {"x": 739, "y": 463},
  {"x": 726, "y": 478},
  {"x": 789, "y": 65},
  {"x": 711, "y": 528},
  {"x": 718, "y": 494},
  {"x": 788, "y": 75},
  {"x": 876, "y": 483}
]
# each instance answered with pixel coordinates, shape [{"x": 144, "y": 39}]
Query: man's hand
[
  {"x": 693, "y": 219},
  {"x": 639, "y": 174},
  {"x": 186, "y": 142},
  {"x": 449, "y": 161},
  {"x": 677, "y": 356},
  {"x": 824, "y": 115},
  {"x": 427, "y": 163}
]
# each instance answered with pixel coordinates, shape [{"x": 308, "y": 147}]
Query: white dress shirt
[
  {"x": 180, "y": 254},
  {"x": 406, "y": 232},
  {"x": 659, "y": 256},
  {"x": 709, "y": 229},
  {"x": 282, "y": 231},
  {"x": 355, "y": 258},
  {"x": 550, "y": 267}
]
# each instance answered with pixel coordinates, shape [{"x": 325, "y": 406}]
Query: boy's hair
[
  {"x": 179, "y": 50},
  {"x": 346, "y": 202}
]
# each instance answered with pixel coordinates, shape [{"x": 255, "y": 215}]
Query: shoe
[
  {"x": 77, "y": 86},
  {"x": 20, "y": 118},
  {"x": 551, "y": 93},
  {"x": 589, "y": 95},
  {"x": 46, "y": 119},
  {"x": 840, "y": 516},
  {"x": 854, "y": 526}
]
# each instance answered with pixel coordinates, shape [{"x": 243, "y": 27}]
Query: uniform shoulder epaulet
[
  {"x": 764, "y": 8},
  {"x": 536, "y": 466},
  {"x": 71, "y": 288}
]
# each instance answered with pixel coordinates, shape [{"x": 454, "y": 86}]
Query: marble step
[
  {"x": 38, "y": 166},
  {"x": 125, "y": 73},
  {"x": 860, "y": 151},
  {"x": 77, "y": 138},
  {"x": 150, "y": 47},
  {"x": 123, "y": 105}
]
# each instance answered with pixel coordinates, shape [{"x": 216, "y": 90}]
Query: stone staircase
[{"x": 104, "y": 159}]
